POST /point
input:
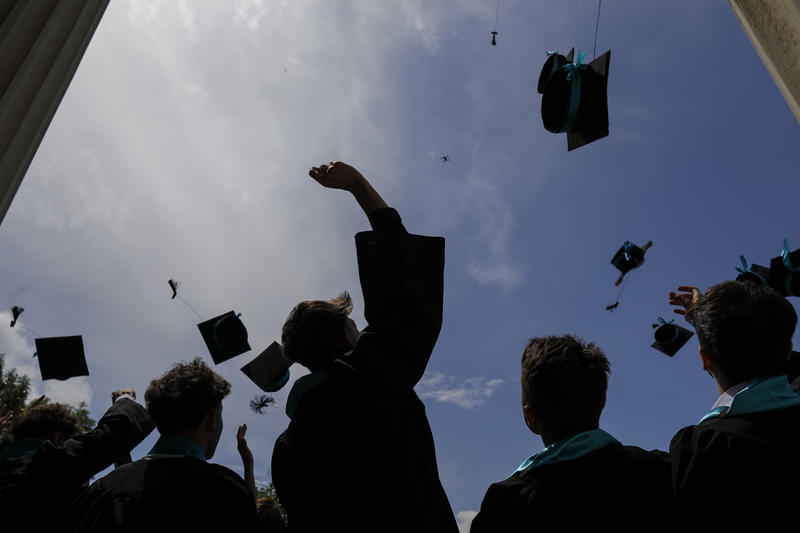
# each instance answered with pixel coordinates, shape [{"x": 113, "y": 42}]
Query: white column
[
  {"x": 41, "y": 44},
  {"x": 773, "y": 27}
]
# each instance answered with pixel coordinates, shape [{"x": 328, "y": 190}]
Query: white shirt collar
[{"x": 726, "y": 397}]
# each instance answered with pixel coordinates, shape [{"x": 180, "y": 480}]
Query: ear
[
  {"x": 705, "y": 357},
  {"x": 530, "y": 418},
  {"x": 210, "y": 420}
]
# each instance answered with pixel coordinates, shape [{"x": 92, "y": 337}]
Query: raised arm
[
  {"x": 401, "y": 279},
  {"x": 338, "y": 175}
]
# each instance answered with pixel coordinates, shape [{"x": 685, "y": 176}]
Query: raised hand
[
  {"x": 337, "y": 175},
  {"x": 689, "y": 297},
  {"x": 247, "y": 459}
]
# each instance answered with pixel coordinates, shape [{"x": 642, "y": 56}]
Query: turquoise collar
[
  {"x": 300, "y": 387},
  {"x": 171, "y": 444},
  {"x": 763, "y": 394},
  {"x": 20, "y": 448},
  {"x": 569, "y": 449}
]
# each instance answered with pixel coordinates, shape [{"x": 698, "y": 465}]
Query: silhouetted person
[
  {"x": 358, "y": 454},
  {"x": 50, "y": 460},
  {"x": 738, "y": 469},
  {"x": 584, "y": 479},
  {"x": 174, "y": 488}
]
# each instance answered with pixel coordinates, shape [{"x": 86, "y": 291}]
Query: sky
[{"x": 182, "y": 146}]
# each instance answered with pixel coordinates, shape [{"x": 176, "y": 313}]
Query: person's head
[
  {"x": 564, "y": 382},
  {"x": 744, "y": 330},
  {"x": 52, "y": 421},
  {"x": 187, "y": 401},
  {"x": 318, "y": 331}
]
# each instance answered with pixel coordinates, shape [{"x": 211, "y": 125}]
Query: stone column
[
  {"x": 41, "y": 44},
  {"x": 773, "y": 27}
]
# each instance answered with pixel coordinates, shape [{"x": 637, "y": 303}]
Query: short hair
[
  {"x": 565, "y": 379},
  {"x": 747, "y": 329},
  {"x": 178, "y": 400},
  {"x": 312, "y": 332},
  {"x": 44, "y": 421}
]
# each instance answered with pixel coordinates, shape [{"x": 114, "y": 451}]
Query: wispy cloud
[{"x": 467, "y": 393}]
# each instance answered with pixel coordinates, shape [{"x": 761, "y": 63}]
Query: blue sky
[{"x": 182, "y": 146}]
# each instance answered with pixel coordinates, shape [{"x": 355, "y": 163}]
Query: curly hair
[
  {"x": 565, "y": 379},
  {"x": 312, "y": 332},
  {"x": 747, "y": 329},
  {"x": 178, "y": 400},
  {"x": 44, "y": 421}
]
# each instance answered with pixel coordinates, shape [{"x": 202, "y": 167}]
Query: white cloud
[
  {"x": 464, "y": 520},
  {"x": 467, "y": 393}
]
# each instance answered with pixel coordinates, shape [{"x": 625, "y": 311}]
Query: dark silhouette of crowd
[{"x": 358, "y": 454}]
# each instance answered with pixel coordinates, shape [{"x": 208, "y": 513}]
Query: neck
[{"x": 552, "y": 436}]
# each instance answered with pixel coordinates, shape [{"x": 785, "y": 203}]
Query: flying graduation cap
[
  {"x": 629, "y": 257},
  {"x": 269, "y": 370},
  {"x": 575, "y": 97},
  {"x": 754, "y": 273},
  {"x": 225, "y": 336},
  {"x": 174, "y": 286},
  {"x": 15, "y": 312},
  {"x": 61, "y": 357},
  {"x": 782, "y": 270},
  {"x": 669, "y": 337}
]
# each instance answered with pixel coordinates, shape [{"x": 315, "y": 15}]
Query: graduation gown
[
  {"x": 614, "y": 488},
  {"x": 358, "y": 454},
  {"x": 41, "y": 486},
  {"x": 739, "y": 472},
  {"x": 167, "y": 493}
]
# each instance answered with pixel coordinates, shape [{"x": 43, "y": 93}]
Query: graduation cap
[
  {"x": 782, "y": 270},
  {"x": 553, "y": 63},
  {"x": 754, "y": 273},
  {"x": 669, "y": 337},
  {"x": 225, "y": 336},
  {"x": 575, "y": 98},
  {"x": 628, "y": 257},
  {"x": 270, "y": 369},
  {"x": 61, "y": 357},
  {"x": 174, "y": 286},
  {"x": 15, "y": 312}
]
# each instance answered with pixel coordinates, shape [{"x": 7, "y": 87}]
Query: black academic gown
[
  {"x": 167, "y": 493},
  {"x": 614, "y": 488},
  {"x": 740, "y": 472},
  {"x": 358, "y": 454},
  {"x": 40, "y": 488}
]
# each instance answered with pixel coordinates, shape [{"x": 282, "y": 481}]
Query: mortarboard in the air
[
  {"x": 553, "y": 63},
  {"x": 225, "y": 336},
  {"x": 754, "y": 273},
  {"x": 784, "y": 272},
  {"x": 669, "y": 337},
  {"x": 575, "y": 100},
  {"x": 61, "y": 357},
  {"x": 628, "y": 257},
  {"x": 269, "y": 370},
  {"x": 15, "y": 312}
]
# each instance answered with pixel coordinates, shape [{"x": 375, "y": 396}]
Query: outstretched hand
[
  {"x": 247, "y": 460},
  {"x": 244, "y": 449},
  {"x": 689, "y": 297},
  {"x": 337, "y": 175}
]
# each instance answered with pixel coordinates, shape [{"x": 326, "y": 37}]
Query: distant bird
[
  {"x": 445, "y": 158},
  {"x": 612, "y": 306},
  {"x": 174, "y": 286},
  {"x": 16, "y": 311}
]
